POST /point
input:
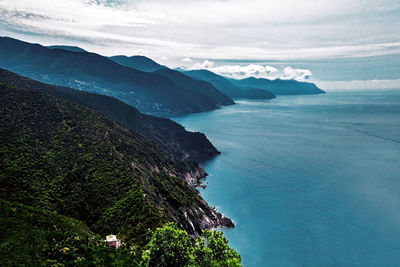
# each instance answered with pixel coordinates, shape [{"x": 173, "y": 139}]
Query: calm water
[{"x": 309, "y": 180}]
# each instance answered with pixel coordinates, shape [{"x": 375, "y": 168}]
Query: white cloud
[
  {"x": 164, "y": 58},
  {"x": 296, "y": 74},
  {"x": 229, "y": 29},
  {"x": 187, "y": 59},
  {"x": 253, "y": 70},
  {"x": 87, "y": 14},
  {"x": 206, "y": 64},
  {"x": 270, "y": 69},
  {"x": 82, "y": 21}
]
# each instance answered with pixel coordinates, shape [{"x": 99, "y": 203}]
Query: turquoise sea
[{"x": 308, "y": 180}]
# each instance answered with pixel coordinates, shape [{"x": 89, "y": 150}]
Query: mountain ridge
[
  {"x": 280, "y": 86},
  {"x": 149, "y": 92},
  {"x": 67, "y": 47},
  {"x": 166, "y": 133},
  {"x": 227, "y": 87},
  {"x": 137, "y": 62},
  {"x": 186, "y": 81}
]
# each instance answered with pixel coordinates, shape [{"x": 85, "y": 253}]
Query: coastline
[{"x": 211, "y": 218}]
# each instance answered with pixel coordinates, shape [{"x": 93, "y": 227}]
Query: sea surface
[{"x": 308, "y": 180}]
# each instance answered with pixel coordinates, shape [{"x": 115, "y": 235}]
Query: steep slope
[
  {"x": 36, "y": 237},
  {"x": 199, "y": 86},
  {"x": 281, "y": 87},
  {"x": 137, "y": 62},
  {"x": 229, "y": 88},
  {"x": 169, "y": 135},
  {"x": 63, "y": 157},
  {"x": 149, "y": 92},
  {"x": 30, "y": 237},
  {"x": 67, "y": 47}
]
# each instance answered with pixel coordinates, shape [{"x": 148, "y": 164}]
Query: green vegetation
[
  {"x": 66, "y": 158},
  {"x": 34, "y": 237},
  {"x": 69, "y": 175},
  {"x": 170, "y": 246},
  {"x": 167, "y": 134}
]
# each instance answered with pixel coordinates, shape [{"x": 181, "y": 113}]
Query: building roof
[{"x": 111, "y": 238}]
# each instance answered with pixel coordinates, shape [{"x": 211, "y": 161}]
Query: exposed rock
[{"x": 195, "y": 178}]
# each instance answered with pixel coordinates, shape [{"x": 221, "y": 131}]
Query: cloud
[
  {"x": 228, "y": 29},
  {"x": 187, "y": 59},
  {"x": 237, "y": 71},
  {"x": 92, "y": 22},
  {"x": 206, "y": 64},
  {"x": 87, "y": 14},
  {"x": 253, "y": 70},
  {"x": 296, "y": 74}
]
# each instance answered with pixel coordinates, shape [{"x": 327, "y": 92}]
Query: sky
[{"x": 349, "y": 44}]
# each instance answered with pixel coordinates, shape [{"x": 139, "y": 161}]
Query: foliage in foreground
[
  {"x": 171, "y": 246},
  {"x": 35, "y": 237}
]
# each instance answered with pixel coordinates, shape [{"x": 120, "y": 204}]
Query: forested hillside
[{"x": 62, "y": 157}]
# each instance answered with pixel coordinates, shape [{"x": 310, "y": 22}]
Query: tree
[
  {"x": 171, "y": 246},
  {"x": 212, "y": 249}
]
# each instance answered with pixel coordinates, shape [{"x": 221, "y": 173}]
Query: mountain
[
  {"x": 67, "y": 47},
  {"x": 149, "y": 92},
  {"x": 168, "y": 134},
  {"x": 199, "y": 86},
  {"x": 137, "y": 62},
  {"x": 66, "y": 158},
  {"x": 281, "y": 87},
  {"x": 185, "y": 82},
  {"x": 229, "y": 88}
]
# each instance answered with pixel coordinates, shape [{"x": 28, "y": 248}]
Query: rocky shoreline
[{"x": 211, "y": 218}]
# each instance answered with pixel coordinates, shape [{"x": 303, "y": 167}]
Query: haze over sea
[{"x": 308, "y": 180}]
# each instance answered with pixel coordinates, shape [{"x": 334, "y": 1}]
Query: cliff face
[{"x": 59, "y": 156}]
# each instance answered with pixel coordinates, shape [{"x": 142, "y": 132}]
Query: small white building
[{"x": 113, "y": 241}]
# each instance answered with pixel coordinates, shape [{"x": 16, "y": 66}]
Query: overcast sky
[{"x": 222, "y": 35}]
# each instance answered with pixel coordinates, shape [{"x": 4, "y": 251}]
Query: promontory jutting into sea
[{"x": 200, "y": 133}]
